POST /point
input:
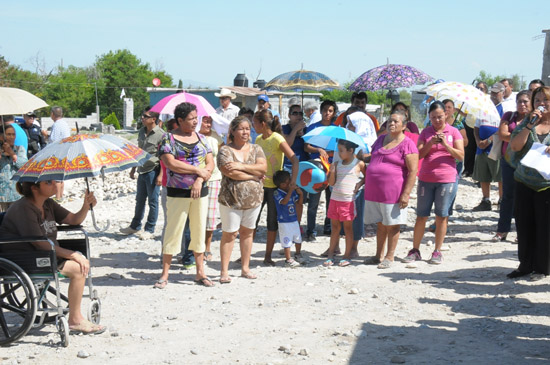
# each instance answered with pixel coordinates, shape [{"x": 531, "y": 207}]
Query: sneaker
[
  {"x": 302, "y": 260},
  {"x": 189, "y": 265},
  {"x": 145, "y": 235},
  {"x": 484, "y": 206},
  {"x": 128, "y": 230},
  {"x": 436, "y": 259},
  {"x": 414, "y": 255},
  {"x": 291, "y": 263}
]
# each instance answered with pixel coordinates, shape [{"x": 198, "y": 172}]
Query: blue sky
[{"x": 212, "y": 41}]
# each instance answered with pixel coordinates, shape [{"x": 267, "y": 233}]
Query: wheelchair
[{"x": 30, "y": 293}]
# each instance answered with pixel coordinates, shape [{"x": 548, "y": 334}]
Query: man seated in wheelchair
[{"x": 36, "y": 214}]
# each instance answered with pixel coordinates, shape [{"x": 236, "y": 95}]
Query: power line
[{"x": 47, "y": 83}]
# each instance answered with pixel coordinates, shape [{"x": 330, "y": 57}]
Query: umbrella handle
[
  {"x": 95, "y": 223},
  {"x": 93, "y": 214}
]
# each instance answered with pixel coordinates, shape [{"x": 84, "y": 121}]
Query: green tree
[
  {"x": 122, "y": 69},
  {"x": 70, "y": 88},
  {"x": 490, "y": 80},
  {"x": 112, "y": 120}
]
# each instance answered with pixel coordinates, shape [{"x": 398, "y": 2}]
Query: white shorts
[
  {"x": 233, "y": 219},
  {"x": 387, "y": 214},
  {"x": 289, "y": 233}
]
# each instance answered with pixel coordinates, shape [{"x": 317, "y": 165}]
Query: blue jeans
[
  {"x": 439, "y": 194},
  {"x": 508, "y": 192},
  {"x": 312, "y": 206},
  {"x": 147, "y": 189}
]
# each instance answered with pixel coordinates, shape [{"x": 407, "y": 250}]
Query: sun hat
[{"x": 225, "y": 93}]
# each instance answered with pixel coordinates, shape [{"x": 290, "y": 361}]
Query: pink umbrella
[{"x": 165, "y": 107}]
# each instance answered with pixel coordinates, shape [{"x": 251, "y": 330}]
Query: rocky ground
[{"x": 463, "y": 311}]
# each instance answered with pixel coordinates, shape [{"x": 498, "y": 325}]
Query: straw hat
[{"x": 226, "y": 93}]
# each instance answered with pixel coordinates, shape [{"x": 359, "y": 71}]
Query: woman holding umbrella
[
  {"x": 13, "y": 157},
  {"x": 189, "y": 165},
  {"x": 36, "y": 214},
  {"x": 439, "y": 145}
]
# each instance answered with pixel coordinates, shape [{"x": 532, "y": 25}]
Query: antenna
[
  {"x": 260, "y": 70},
  {"x": 538, "y": 37}
]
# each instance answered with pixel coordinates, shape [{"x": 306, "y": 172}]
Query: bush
[{"x": 112, "y": 120}]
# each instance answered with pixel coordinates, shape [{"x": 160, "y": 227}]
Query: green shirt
[
  {"x": 150, "y": 143},
  {"x": 527, "y": 175}
]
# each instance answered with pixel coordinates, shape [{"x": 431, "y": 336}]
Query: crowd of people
[{"x": 201, "y": 176}]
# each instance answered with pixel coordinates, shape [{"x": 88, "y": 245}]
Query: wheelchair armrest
[{"x": 66, "y": 228}]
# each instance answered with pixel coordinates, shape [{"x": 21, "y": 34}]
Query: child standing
[
  {"x": 346, "y": 177},
  {"x": 288, "y": 200}
]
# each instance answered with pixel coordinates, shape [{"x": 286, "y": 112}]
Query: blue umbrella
[{"x": 328, "y": 137}]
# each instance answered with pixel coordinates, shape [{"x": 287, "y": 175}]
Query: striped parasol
[{"x": 79, "y": 156}]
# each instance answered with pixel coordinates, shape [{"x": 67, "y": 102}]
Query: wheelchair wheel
[
  {"x": 15, "y": 319},
  {"x": 94, "y": 311},
  {"x": 62, "y": 325}
]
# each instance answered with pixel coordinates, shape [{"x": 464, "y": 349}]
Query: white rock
[
  {"x": 353, "y": 291},
  {"x": 82, "y": 354}
]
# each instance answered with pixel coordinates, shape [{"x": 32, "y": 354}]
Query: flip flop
[
  {"x": 87, "y": 328},
  {"x": 204, "y": 282},
  {"x": 328, "y": 262},
  {"x": 225, "y": 280},
  {"x": 160, "y": 284},
  {"x": 207, "y": 256},
  {"x": 344, "y": 263},
  {"x": 249, "y": 276}
]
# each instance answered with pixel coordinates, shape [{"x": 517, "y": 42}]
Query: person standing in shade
[
  {"x": 148, "y": 190},
  {"x": 60, "y": 130},
  {"x": 34, "y": 133},
  {"x": 20, "y": 135},
  {"x": 487, "y": 170}
]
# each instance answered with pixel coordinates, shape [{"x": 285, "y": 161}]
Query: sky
[{"x": 209, "y": 42}]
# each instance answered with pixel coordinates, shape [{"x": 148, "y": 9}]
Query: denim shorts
[{"x": 439, "y": 194}]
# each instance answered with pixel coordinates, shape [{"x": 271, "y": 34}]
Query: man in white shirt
[
  {"x": 509, "y": 99},
  {"x": 226, "y": 108},
  {"x": 60, "y": 130}
]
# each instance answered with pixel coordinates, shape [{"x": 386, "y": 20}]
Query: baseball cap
[{"x": 263, "y": 97}]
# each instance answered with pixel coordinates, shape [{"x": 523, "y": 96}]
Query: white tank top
[{"x": 346, "y": 179}]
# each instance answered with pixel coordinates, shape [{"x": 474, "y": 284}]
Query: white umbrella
[{"x": 17, "y": 101}]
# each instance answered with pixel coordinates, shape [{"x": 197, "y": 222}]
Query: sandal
[
  {"x": 225, "y": 280},
  {"x": 386, "y": 264},
  {"x": 87, "y": 328},
  {"x": 207, "y": 256},
  {"x": 499, "y": 237},
  {"x": 328, "y": 262},
  {"x": 160, "y": 284},
  {"x": 269, "y": 263},
  {"x": 204, "y": 282},
  {"x": 249, "y": 275},
  {"x": 344, "y": 263}
]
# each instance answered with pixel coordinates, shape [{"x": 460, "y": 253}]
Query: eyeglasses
[
  {"x": 145, "y": 116},
  {"x": 297, "y": 113}
]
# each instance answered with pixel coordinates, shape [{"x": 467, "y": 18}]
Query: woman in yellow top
[{"x": 275, "y": 149}]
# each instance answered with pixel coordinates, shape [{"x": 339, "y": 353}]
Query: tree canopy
[{"x": 73, "y": 88}]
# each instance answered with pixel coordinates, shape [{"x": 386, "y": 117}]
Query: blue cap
[{"x": 263, "y": 97}]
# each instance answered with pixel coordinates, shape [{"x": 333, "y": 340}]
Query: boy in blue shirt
[{"x": 288, "y": 200}]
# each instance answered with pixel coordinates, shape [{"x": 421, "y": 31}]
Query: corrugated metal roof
[{"x": 245, "y": 91}]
